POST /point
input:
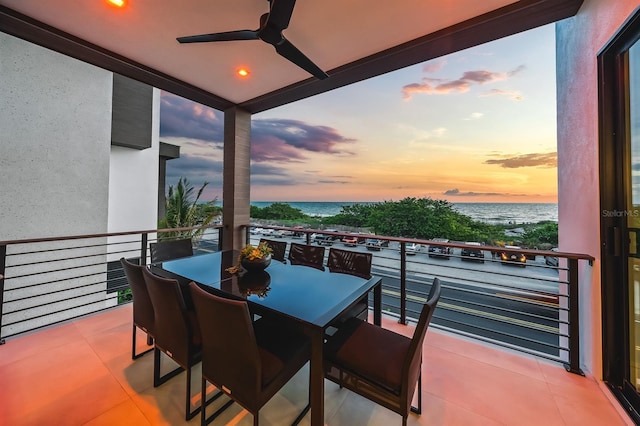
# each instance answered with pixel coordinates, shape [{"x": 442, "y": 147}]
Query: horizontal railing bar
[
  {"x": 512, "y": 336},
  {"x": 107, "y": 234},
  {"x": 57, "y": 249},
  {"x": 58, "y": 312},
  {"x": 52, "y": 281},
  {"x": 497, "y": 296},
  {"x": 28, "y": 308},
  {"x": 49, "y": 293}
]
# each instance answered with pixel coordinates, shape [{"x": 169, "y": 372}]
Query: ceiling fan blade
[
  {"x": 224, "y": 36},
  {"x": 289, "y": 51},
  {"x": 280, "y": 13}
]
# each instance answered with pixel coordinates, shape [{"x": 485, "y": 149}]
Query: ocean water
[{"x": 494, "y": 213}]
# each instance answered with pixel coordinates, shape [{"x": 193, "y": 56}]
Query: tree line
[{"x": 421, "y": 218}]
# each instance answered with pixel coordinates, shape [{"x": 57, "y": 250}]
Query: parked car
[
  {"x": 376, "y": 244},
  {"x": 552, "y": 260},
  {"x": 412, "y": 248},
  {"x": 326, "y": 239},
  {"x": 298, "y": 231},
  {"x": 440, "y": 251},
  {"x": 513, "y": 257},
  {"x": 472, "y": 253},
  {"x": 350, "y": 240}
]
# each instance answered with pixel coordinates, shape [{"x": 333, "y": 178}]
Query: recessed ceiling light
[
  {"x": 117, "y": 3},
  {"x": 243, "y": 72}
]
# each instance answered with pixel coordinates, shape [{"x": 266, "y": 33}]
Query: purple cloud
[
  {"x": 285, "y": 140},
  {"x": 181, "y": 117},
  {"x": 463, "y": 84}
]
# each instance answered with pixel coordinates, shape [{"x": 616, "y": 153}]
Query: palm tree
[{"x": 183, "y": 211}]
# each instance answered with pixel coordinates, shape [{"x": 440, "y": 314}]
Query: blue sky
[{"x": 475, "y": 126}]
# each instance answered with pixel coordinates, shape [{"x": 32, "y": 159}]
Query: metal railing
[
  {"x": 48, "y": 280},
  {"x": 530, "y": 305}
]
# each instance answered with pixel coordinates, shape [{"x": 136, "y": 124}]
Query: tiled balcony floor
[{"x": 81, "y": 373}]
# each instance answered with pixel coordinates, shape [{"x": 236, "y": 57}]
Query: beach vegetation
[
  {"x": 183, "y": 209},
  {"x": 421, "y": 218},
  {"x": 277, "y": 211}
]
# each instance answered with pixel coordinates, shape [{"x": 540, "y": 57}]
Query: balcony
[
  {"x": 67, "y": 352},
  {"x": 80, "y": 372}
]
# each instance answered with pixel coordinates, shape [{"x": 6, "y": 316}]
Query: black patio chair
[
  {"x": 307, "y": 255},
  {"x": 249, "y": 360},
  {"x": 177, "y": 333},
  {"x": 278, "y": 248},
  {"x": 379, "y": 364},
  {"x": 171, "y": 249},
  {"x": 143, "y": 316},
  {"x": 352, "y": 263}
]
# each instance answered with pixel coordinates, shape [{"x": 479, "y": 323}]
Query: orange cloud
[
  {"x": 549, "y": 159},
  {"x": 432, "y": 86}
]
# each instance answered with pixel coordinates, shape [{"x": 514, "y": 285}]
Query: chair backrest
[
  {"x": 350, "y": 262},
  {"x": 277, "y": 247},
  {"x": 307, "y": 255},
  {"x": 175, "y": 331},
  {"x": 143, "y": 315},
  {"x": 411, "y": 367},
  {"x": 230, "y": 354},
  {"x": 171, "y": 249}
]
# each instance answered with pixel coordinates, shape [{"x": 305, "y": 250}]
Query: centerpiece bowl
[{"x": 255, "y": 265}]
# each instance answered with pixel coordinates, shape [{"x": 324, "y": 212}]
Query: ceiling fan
[{"x": 270, "y": 31}]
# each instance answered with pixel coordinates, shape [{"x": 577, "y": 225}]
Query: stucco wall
[
  {"x": 55, "y": 133},
  {"x": 55, "y": 121},
  {"x": 579, "y": 40}
]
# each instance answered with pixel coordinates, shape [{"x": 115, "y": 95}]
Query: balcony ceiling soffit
[{"x": 350, "y": 40}]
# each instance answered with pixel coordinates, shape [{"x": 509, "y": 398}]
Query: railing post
[
  {"x": 143, "y": 249},
  {"x": 574, "y": 320},
  {"x": 403, "y": 283},
  {"x": 3, "y": 264},
  {"x": 220, "y": 236}
]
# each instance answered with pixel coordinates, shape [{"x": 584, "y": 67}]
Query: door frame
[{"x": 612, "y": 89}]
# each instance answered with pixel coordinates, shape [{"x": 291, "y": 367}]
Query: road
[{"x": 507, "y": 303}]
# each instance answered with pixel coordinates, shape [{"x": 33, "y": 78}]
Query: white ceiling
[{"x": 331, "y": 33}]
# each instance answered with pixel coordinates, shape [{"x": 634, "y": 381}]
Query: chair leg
[
  {"x": 157, "y": 379},
  {"x": 418, "y": 410},
  {"x": 133, "y": 345},
  {"x": 188, "y": 413},
  {"x": 203, "y": 396},
  {"x": 203, "y": 413}
]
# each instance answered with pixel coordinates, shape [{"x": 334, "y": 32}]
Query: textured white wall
[
  {"x": 55, "y": 129},
  {"x": 55, "y": 137},
  {"x": 578, "y": 41}
]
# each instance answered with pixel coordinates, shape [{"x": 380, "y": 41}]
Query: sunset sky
[{"x": 474, "y": 126}]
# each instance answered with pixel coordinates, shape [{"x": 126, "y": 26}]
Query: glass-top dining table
[{"x": 308, "y": 296}]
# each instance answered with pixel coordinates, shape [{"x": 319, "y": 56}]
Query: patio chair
[
  {"x": 352, "y": 263},
  {"x": 379, "y": 364},
  {"x": 143, "y": 316},
  {"x": 171, "y": 249},
  {"x": 177, "y": 333},
  {"x": 278, "y": 247},
  {"x": 249, "y": 360},
  {"x": 306, "y": 255}
]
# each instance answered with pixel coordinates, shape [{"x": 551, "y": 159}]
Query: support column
[{"x": 236, "y": 177}]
